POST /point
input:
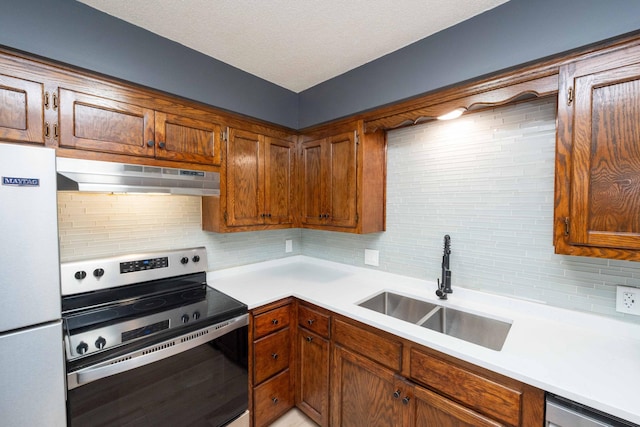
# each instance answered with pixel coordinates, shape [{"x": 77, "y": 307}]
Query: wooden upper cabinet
[
  {"x": 245, "y": 176},
  {"x": 279, "y": 169},
  {"x": 21, "y": 110},
  {"x": 94, "y": 123},
  {"x": 598, "y": 157},
  {"x": 342, "y": 179},
  {"x": 187, "y": 139},
  {"x": 341, "y": 194},
  {"x": 328, "y": 180},
  {"x": 259, "y": 179}
]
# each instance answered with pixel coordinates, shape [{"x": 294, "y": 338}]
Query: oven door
[{"x": 190, "y": 380}]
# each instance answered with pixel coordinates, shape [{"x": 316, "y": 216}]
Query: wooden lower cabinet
[
  {"x": 362, "y": 392},
  {"x": 344, "y": 373},
  {"x": 433, "y": 410},
  {"x": 270, "y": 377},
  {"x": 312, "y": 362}
]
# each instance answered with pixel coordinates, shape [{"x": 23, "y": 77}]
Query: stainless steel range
[{"x": 139, "y": 321}]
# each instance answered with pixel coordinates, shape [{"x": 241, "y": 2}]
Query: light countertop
[{"x": 591, "y": 359}]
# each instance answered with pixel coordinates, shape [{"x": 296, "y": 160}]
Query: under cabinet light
[{"x": 454, "y": 114}]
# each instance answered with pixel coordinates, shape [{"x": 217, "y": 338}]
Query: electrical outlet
[
  {"x": 628, "y": 300},
  {"x": 371, "y": 257},
  {"x": 288, "y": 245}
]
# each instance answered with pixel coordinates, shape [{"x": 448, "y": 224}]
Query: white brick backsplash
[
  {"x": 487, "y": 179},
  {"x": 97, "y": 225}
]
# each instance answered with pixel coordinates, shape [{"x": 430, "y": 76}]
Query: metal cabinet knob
[
  {"x": 310, "y": 321},
  {"x": 275, "y": 321},
  {"x": 396, "y": 394},
  {"x": 162, "y": 145},
  {"x": 150, "y": 144},
  {"x": 274, "y": 400},
  {"x": 309, "y": 339},
  {"x": 274, "y": 356},
  {"x": 405, "y": 400}
]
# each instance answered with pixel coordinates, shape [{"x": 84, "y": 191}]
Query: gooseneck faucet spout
[{"x": 444, "y": 285}]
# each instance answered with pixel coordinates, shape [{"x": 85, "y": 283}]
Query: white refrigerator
[{"x": 32, "y": 378}]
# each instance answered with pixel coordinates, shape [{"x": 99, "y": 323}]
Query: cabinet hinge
[
  {"x": 356, "y": 136},
  {"x": 566, "y": 226},
  {"x": 225, "y": 217},
  {"x": 224, "y": 135},
  {"x": 570, "y": 95},
  {"x": 357, "y": 218}
]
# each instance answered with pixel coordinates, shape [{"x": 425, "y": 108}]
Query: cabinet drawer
[
  {"x": 272, "y": 399},
  {"x": 313, "y": 320},
  {"x": 383, "y": 350},
  {"x": 271, "y": 321},
  {"x": 271, "y": 355},
  {"x": 477, "y": 392}
]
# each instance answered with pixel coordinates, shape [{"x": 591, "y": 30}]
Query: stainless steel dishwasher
[{"x": 562, "y": 412}]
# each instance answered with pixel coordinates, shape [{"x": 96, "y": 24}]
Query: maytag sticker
[{"x": 20, "y": 182}]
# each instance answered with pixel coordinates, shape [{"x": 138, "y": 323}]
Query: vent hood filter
[{"x": 108, "y": 177}]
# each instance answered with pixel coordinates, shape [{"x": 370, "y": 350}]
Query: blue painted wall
[
  {"x": 73, "y": 33},
  {"x": 512, "y": 34}
]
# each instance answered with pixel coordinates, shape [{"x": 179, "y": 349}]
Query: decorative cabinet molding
[{"x": 597, "y": 209}]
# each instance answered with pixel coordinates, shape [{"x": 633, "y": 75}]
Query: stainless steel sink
[
  {"x": 474, "y": 328},
  {"x": 399, "y": 306},
  {"x": 481, "y": 330}
]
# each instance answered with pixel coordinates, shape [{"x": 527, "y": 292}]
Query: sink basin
[
  {"x": 399, "y": 306},
  {"x": 481, "y": 330},
  {"x": 474, "y": 328}
]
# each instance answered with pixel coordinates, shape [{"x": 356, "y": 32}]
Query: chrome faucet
[{"x": 444, "y": 286}]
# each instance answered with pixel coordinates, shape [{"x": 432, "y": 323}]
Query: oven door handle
[{"x": 157, "y": 352}]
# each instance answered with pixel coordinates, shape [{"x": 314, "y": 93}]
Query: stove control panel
[
  {"x": 103, "y": 273},
  {"x": 145, "y": 264}
]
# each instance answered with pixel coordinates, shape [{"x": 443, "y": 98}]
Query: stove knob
[
  {"x": 82, "y": 348},
  {"x": 101, "y": 343},
  {"x": 98, "y": 272},
  {"x": 196, "y": 258},
  {"x": 80, "y": 275},
  {"x": 196, "y": 315},
  {"x": 185, "y": 318},
  {"x": 184, "y": 260}
]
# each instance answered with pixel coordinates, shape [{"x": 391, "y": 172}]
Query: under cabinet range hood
[{"x": 108, "y": 177}]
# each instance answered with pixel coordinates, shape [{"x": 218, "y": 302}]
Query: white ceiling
[{"x": 295, "y": 44}]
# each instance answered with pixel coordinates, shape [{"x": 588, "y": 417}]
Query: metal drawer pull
[
  {"x": 310, "y": 321},
  {"x": 275, "y": 321},
  {"x": 274, "y": 400},
  {"x": 309, "y": 339},
  {"x": 274, "y": 356}
]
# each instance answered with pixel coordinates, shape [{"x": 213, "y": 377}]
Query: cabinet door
[
  {"x": 312, "y": 182},
  {"x": 312, "y": 386},
  {"x": 21, "y": 110},
  {"x": 605, "y": 177},
  {"x": 362, "y": 392},
  {"x": 433, "y": 410},
  {"x": 278, "y": 171},
  {"x": 341, "y": 188},
  {"x": 245, "y": 177},
  {"x": 187, "y": 139},
  {"x": 89, "y": 122}
]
